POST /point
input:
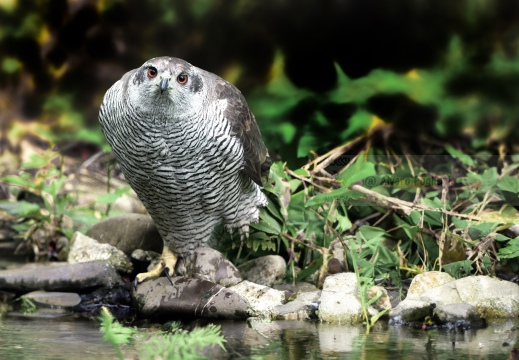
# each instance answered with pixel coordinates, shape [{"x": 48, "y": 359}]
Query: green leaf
[
  {"x": 457, "y": 154},
  {"x": 297, "y": 213},
  {"x": 267, "y": 223},
  {"x": 321, "y": 199},
  {"x": 357, "y": 171},
  {"x": 511, "y": 250},
  {"x": 343, "y": 223},
  {"x": 21, "y": 180},
  {"x": 22, "y": 209},
  {"x": 10, "y": 65},
  {"x": 458, "y": 269},
  {"x": 477, "y": 232},
  {"x": 309, "y": 270},
  {"x": 509, "y": 183}
]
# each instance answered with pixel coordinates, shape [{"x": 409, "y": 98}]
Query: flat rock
[
  {"x": 339, "y": 300},
  {"x": 84, "y": 249},
  {"x": 59, "y": 277},
  {"x": 262, "y": 299},
  {"x": 188, "y": 298},
  {"x": 54, "y": 299},
  {"x": 458, "y": 315},
  {"x": 266, "y": 270},
  {"x": 409, "y": 311},
  {"x": 211, "y": 265},
  {"x": 303, "y": 307},
  {"x": 128, "y": 232}
]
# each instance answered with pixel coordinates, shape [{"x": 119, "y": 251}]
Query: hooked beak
[{"x": 163, "y": 85}]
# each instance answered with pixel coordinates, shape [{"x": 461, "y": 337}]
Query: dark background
[{"x": 316, "y": 73}]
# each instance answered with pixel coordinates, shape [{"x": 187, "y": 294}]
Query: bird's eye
[
  {"x": 182, "y": 79},
  {"x": 152, "y": 72}
]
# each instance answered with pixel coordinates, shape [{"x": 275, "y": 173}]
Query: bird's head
[{"x": 167, "y": 82}]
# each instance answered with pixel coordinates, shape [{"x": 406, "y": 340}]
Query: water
[
  {"x": 53, "y": 335},
  {"x": 70, "y": 338}
]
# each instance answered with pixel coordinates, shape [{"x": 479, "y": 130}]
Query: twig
[{"x": 406, "y": 206}]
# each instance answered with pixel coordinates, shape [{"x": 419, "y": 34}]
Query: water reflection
[
  {"x": 305, "y": 340},
  {"x": 70, "y": 338},
  {"x": 44, "y": 338}
]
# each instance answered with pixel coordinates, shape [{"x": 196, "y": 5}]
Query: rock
[
  {"x": 303, "y": 307},
  {"x": 458, "y": 315},
  {"x": 300, "y": 287},
  {"x": 54, "y": 299},
  {"x": 117, "y": 298},
  {"x": 144, "y": 260},
  {"x": 383, "y": 303},
  {"x": 266, "y": 270},
  {"x": 84, "y": 249},
  {"x": 145, "y": 256},
  {"x": 59, "y": 277},
  {"x": 426, "y": 281},
  {"x": 188, "y": 298},
  {"x": 261, "y": 299},
  {"x": 339, "y": 300},
  {"x": 409, "y": 311},
  {"x": 210, "y": 264},
  {"x": 492, "y": 297},
  {"x": 128, "y": 232}
]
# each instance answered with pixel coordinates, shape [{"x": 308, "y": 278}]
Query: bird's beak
[{"x": 163, "y": 85}]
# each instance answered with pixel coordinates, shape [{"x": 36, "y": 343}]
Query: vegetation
[
  {"x": 173, "y": 343},
  {"x": 394, "y": 145}
]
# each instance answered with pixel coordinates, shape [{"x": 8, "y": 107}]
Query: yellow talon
[{"x": 166, "y": 264}]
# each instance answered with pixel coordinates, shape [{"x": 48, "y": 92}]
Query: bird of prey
[{"x": 191, "y": 149}]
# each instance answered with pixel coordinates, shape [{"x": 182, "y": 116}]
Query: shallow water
[{"x": 70, "y": 338}]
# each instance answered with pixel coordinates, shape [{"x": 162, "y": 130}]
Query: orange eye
[
  {"x": 152, "y": 72},
  {"x": 182, "y": 79}
]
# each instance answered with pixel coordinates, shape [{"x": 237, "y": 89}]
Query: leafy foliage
[
  {"x": 50, "y": 211},
  {"x": 395, "y": 215},
  {"x": 174, "y": 343}
]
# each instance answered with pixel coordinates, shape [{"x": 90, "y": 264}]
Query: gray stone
[
  {"x": 143, "y": 255},
  {"x": 303, "y": 307},
  {"x": 60, "y": 277},
  {"x": 85, "y": 249},
  {"x": 53, "y": 299},
  {"x": 266, "y": 270},
  {"x": 188, "y": 298},
  {"x": 128, "y": 232},
  {"x": 456, "y": 315},
  {"x": 300, "y": 287},
  {"x": 492, "y": 297},
  {"x": 261, "y": 299},
  {"x": 410, "y": 310},
  {"x": 210, "y": 264},
  {"x": 339, "y": 300}
]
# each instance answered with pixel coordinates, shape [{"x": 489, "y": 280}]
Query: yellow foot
[{"x": 166, "y": 264}]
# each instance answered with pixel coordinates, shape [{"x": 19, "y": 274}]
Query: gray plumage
[{"x": 190, "y": 148}]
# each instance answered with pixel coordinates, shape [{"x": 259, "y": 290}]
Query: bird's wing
[{"x": 245, "y": 128}]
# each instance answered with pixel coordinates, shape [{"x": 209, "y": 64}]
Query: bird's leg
[{"x": 167, "y": 264}]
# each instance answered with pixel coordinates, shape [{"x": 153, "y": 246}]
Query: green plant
[
  {"x": 27, "y": 306},
  {"x": 45, "y": 210},
  {"x": 174, "y": 343}
]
